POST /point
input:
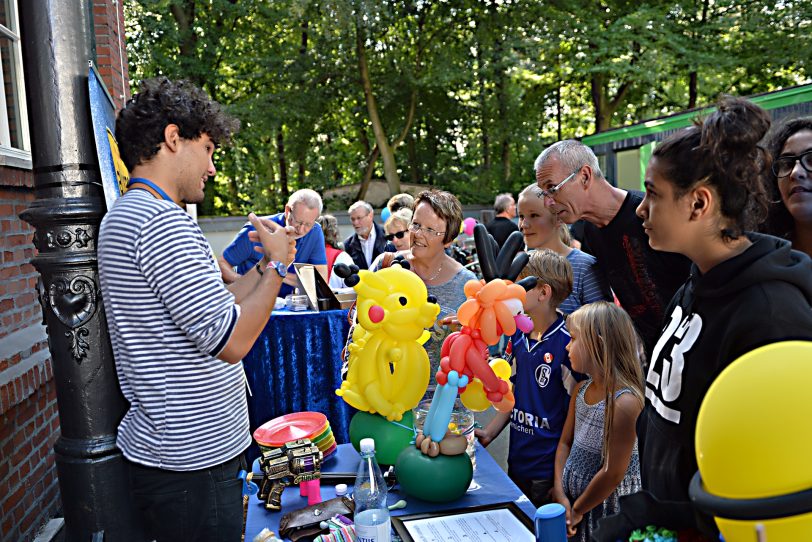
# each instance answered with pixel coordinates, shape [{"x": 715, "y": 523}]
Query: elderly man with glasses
[
  {"x": 643, "y": 279},
  {"x": 369, "y": 239},
  {"x": 303, "y": 208}
]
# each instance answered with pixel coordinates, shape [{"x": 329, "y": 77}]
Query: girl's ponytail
[
  {"x": 723, "y": 151},
  {"x": 730, "y": 138}
]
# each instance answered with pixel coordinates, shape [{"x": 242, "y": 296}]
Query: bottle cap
[
  {"x": 341, "y": 489},
  {"x": 367, "y": 445}
]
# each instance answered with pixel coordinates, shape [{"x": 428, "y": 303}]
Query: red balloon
[
  {"x": 479, "y": 365},
  {"x": 376, "y": 313},
  {"x": 445, "y": 364},
  {"x": 447, "y": 343}
]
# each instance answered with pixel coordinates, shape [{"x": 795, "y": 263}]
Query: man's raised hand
[{"x": 277, "y": 244}]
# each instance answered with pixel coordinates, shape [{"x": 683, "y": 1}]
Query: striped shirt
[
  {"x": 169, "y": 315},
  {"x": 588, "y": 283}
]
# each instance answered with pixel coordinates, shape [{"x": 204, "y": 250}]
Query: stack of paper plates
[{"x": 299, "y": 425}]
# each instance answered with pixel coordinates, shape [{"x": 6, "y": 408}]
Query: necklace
[{"x": 435, "y": 275}]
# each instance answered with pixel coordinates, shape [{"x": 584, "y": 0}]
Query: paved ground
[{"x": 499, "y": 447}]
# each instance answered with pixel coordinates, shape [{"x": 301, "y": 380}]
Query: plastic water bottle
[{"x": 372, "y": 522}]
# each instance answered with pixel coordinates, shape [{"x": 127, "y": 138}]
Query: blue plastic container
[{"x": 551, "y": 523}]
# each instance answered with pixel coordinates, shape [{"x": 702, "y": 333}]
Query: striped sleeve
[
  {"x": 181, "y": 273},
  {"x": 590, "y": 280}
]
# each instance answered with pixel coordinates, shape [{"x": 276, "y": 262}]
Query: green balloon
[
  {"x": 390, "y": 437},
  {"x": 443, "y": 478}
]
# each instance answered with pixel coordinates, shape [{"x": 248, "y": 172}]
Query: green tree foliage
[{"x": 459, "y": 94}]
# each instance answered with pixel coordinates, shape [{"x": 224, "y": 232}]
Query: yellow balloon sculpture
[
  {"x": 753, "y": 443},
  {"x": 388, "y": 368}
]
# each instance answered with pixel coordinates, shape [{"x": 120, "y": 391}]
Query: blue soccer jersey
[{"x": 542, "y": 382}]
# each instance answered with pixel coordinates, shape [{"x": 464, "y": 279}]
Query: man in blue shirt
[{"x": 303, "y": 208}]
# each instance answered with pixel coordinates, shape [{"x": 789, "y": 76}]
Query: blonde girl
[
  {"x": 541, "y": 229},
  {"x": 597, "y": 461}
]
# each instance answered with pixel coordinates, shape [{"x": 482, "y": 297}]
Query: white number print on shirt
[{"x": 665, "y": 373}]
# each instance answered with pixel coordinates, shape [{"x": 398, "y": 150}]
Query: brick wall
[
  {"x": 111, "y": 52},
  {"x": 29, "y": 422}
]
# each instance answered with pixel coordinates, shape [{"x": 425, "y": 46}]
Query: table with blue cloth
[
  {"x": 490, "y": 486},
  {"x": 295, "y": 366}
]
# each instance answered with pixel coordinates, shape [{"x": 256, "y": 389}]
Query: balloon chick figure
[{"x": 388, "y": 367}]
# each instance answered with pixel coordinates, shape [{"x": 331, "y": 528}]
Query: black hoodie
[{"x": 761, "y": 296}]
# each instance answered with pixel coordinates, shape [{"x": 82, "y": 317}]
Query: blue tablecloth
[
  {"x": 491, "y": 486},
  {"x": 294, "y": 366}
]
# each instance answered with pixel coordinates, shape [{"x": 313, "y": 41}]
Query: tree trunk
[
  {"x": 558, "y": 111},
  {"x": 414, "y": 167},
  {"x": 693, "y": 79},
  {"x": 599, "y": 104},
  {"x": 368, "y": 171},
  {"x": 184, "y": 15},
  {"x": 502, "y": 99},
  {"x": 283, "y": 164},
  {"x": 605, "y": 107},
  {"x": 386, "y": 150},
  {"x": 483, "y": 117}
]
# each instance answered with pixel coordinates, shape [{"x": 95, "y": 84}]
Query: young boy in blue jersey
[{"x": 542, "y": 381}]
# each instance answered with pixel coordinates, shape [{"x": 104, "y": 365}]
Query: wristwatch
[{"x": 279, "y": 267}]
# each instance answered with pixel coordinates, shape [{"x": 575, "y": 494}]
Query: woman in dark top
[
  {"x": 791, "y": 186},
  {"x": 704, "y": 192}
]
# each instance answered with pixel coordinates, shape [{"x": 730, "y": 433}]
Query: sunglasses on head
[{"x": 399, "y": 235}]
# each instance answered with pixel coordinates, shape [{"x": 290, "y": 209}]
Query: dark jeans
[
  {"x": 535, "y": 490},
  {"x": 200, "y": 505}
]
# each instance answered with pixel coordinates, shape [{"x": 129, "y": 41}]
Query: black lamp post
[{"x": 57, "y": 44}]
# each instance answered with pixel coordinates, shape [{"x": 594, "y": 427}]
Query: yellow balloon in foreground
[{"x": 753, "y": 443}]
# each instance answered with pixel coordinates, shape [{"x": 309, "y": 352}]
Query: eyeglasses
[
  {"x": 549, "y": 193},
  {"x": 298, "y": 224},
  {"x": 398, "y": 234},
  {"x": 784, "y": 165},
  {"x": 415, "y": 227}
]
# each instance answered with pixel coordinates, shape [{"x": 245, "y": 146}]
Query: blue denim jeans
[{"x": 200, "y": 505}]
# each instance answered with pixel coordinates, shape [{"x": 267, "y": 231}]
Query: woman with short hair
[{"x": 434, "y": 226}]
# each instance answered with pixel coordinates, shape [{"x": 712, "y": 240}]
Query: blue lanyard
[{"x": 150, "y": 184}]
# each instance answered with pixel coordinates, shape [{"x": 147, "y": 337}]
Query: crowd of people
[{"x": 667, "y": 288}]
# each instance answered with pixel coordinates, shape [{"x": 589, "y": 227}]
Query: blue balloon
[
  {"x": 442, "y": 406},
  {"x": 385, "y": 214}
]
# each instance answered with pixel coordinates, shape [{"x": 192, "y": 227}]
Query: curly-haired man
[{"x": 178, "y": 333}]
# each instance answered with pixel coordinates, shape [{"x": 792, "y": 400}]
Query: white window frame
[{"x": 12, "y": 156}]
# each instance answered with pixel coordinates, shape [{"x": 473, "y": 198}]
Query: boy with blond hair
[{"x": 542, "y": 381}]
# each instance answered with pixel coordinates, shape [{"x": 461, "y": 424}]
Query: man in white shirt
[{"x": 369, "y": 240}]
